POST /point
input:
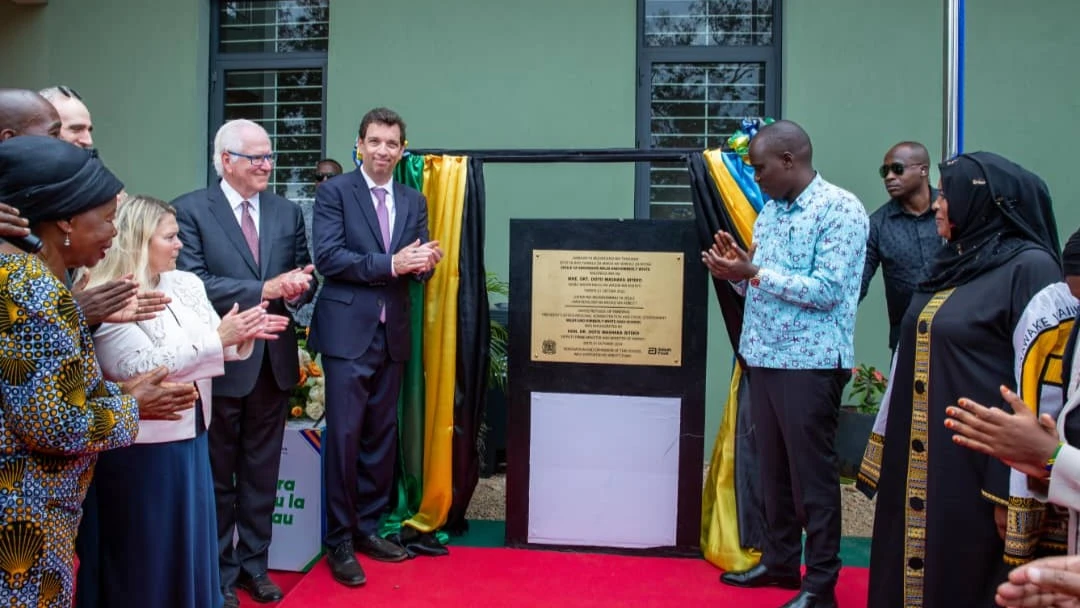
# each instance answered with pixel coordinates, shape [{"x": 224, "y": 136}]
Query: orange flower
[
  {"x": 313, "y": 370},
  {"x": 303, "y": 376},
  {"x": 296, "y": 411}
]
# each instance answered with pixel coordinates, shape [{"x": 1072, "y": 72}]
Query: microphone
[{"x": 29, "y": 243}]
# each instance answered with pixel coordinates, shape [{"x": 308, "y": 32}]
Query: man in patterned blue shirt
[{"x": 801, "y": 279}]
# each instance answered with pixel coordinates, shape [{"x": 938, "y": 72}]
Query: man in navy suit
[
  {"x": 370, "y": 237},
  {"x": 247, "y": 245}
]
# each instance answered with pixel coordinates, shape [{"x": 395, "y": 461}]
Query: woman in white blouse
[{"x": 159, "y": 542}]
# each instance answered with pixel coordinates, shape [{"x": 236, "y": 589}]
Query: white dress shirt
[
  {"x": 237, "y": 203},
  {"x": 389, "y": 187}
]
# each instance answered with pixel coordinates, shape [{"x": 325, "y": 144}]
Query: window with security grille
[
  {"x": 703, "y": 66},
  {"x": 269, "y": 60}
]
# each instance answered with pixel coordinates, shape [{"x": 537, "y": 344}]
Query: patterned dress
[{"x": 56, "y": 414}]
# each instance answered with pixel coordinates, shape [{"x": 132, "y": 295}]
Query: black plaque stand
[{"x": 685, "y": 382}]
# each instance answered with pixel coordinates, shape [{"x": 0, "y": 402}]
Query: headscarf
[
  {"x": 997, "y": 209},
  {"x": 48, "y": 179}
]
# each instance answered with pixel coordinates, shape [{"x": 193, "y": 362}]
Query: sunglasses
[
  {"x": 894, "y": 168},
  {"x": 322, "y": 177}
]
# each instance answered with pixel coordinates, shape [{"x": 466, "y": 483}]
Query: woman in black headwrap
[
  {"x": 939, "y": 526},
  {"x": 56, "y": 411}
]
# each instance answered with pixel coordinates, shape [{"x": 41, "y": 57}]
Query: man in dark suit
[
  {"x": 370, "y": 237},
  {"x": 247, "y": 245}
]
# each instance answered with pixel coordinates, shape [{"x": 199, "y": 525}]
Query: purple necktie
[
  {"x": 384, "y": 216},
  {"x": 247, "y": 226},
  {"x": 384, "y": 227}
]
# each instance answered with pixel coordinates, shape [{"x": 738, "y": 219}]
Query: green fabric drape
[{"x": 408, "y": 487}]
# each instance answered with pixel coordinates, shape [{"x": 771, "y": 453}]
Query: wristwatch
[{"x": 756, "y": 279}]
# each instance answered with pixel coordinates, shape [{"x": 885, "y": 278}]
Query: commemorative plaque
[{"x": 612, "y": 307}]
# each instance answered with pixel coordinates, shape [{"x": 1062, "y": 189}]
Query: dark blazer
[
  {"x": 215, "y": 250},
  {"x": 356, "y": 267}
]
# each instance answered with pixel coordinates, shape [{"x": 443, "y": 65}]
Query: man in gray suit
[
  {"x": 247, "y": 245},
  {"x": 370, "y": 237}
]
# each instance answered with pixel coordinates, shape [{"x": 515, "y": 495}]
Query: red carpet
[{"x": 492, "y": 577}]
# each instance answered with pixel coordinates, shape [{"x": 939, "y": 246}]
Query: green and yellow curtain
[{"x": 440, "y": 409}]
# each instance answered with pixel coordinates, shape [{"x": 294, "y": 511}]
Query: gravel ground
[{"x": 489, "y": 502}]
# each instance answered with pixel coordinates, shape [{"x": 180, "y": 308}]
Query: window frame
[
  {"x": 220, "y": 63},
  {"x": 771, "y": 56}
]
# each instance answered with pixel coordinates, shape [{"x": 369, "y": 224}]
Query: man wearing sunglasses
[
  {"x": 325, "y": 169},
  {"x": 903, "y": 237}
]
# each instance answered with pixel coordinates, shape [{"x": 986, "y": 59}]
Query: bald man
[
  {"x": 903, "y": 236},
  {"x": 76, "y": 126},
  {"x": 801, "y": 283},
  {"x": 24, "y": 112}
]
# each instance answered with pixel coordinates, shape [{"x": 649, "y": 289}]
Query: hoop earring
[{"x": 67, "y": 240}]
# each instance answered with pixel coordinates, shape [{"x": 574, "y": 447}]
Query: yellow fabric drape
[
  {"x": 738, "y": 206},
  {"x": 444, "y": 187},
  {"x": 719, "y": 519}
]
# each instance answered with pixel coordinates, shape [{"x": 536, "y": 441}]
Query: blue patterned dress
[{"x": 56, "y": 414}]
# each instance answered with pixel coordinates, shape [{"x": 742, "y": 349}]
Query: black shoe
[
  {"x": 231, "y": 601},
  {"x": 805, "y": 599},
  {"x": 380, "y": 549},
  {"x": 421, "y": 543},
  {"x": 759, "y": 576},
  {"x": 262, "y": 589},
  {"x": 343, "y": 565}
]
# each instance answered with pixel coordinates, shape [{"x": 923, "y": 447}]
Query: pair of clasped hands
[
  {"x": 416, "y": 258},
  {"x": 121, "y": 301},
  {"x": 727, "y": 261}
]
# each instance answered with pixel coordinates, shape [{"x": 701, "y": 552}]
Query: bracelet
[{"x": 1050, "y": 461}]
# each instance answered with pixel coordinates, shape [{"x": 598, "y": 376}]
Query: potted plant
[
  {"x": 857, "y": 417},
  {"x": 492, "y": 433}
]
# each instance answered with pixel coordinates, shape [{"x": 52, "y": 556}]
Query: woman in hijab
[
  {"x": 159, "y": 492},
  {"x": 940, "y": 522},
  {"x": 56, "y": 411},
  {"x": 1042, "y": 444}
]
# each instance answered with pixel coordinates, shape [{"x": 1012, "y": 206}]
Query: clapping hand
[
  {"x": 1050, "y": 581},
  {"x": 726, "y": 260},
  {"x": 252, "y": 324},
  {"x": 1021, "y": 440},
  {"x": 417, "y": 258},
  {"x": 100, "y": 302},
  {"x": 290, "y": 285},
  {"x": 159, "y": 400},
  {"x": 143, "y": 306}
]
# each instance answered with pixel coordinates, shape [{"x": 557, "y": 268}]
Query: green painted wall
[
  {"x": 1023, "y": 100},
  {"x": 141, "y": 68},
  {"x": 496, "y": 74}
]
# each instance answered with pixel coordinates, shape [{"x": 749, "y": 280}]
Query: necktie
[
  {"x": 384, "y": 216},
  {"x": 384, "y": 227},
  {"x": 247, "y": 226}
]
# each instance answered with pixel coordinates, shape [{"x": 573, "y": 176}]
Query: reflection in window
[
  {"x": 706, "y": 65},
  {"x": 708, "y": 22},
  {"x": 274, "y": 26}
]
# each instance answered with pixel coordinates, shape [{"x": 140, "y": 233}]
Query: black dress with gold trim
[
  {"x": 935, "y": 542},
  {"x": 56, "y": 414}
]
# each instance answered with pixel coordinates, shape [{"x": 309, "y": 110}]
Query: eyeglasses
[
  {"x": 322, "y": 177},
  {"x": 256, "y": 160},
  {"x": 895, "y": 168}
]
